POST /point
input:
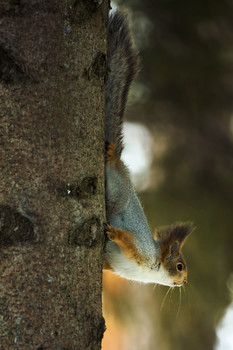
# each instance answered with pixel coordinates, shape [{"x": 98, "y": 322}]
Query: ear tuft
[
  {"x": 180, "y": 231},
  {"x": 172, "y": 238}
]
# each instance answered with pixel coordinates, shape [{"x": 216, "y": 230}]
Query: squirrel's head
[{"x": 171, "y": 239}]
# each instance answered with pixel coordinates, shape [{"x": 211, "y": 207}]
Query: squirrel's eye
[{"x": 179, "y": 267}]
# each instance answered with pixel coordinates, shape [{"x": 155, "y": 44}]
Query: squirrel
[{"x": 131, "y": 250}]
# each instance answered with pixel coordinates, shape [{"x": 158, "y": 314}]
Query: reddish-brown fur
[
  {"x": 111, "y": 153},
  {"x": 125, "y": 240},
  {"x": 106, "y": 266}
]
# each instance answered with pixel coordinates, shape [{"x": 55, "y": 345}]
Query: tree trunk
[{"x": 52, "y": 93}]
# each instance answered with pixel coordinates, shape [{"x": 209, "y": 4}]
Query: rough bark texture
[{"x": 52, "y": 91}]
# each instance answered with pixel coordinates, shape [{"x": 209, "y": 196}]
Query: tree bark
[{"x": 52, "y": 206}]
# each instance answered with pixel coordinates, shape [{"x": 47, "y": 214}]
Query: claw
[
  {"x": 105, "y": 226},
  {"x": 109, "y": 151},
  {"x": 109, "y": 231}
]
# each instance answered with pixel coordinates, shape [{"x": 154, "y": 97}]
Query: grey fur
[
  {"x": 125, "y": 211},
  {"x": 123, "y": 67},
  {"x": 123, "y": 207}
]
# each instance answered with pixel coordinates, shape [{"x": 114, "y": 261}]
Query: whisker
[
  {"x": 172, "y": 290},
  {"x": 170, "y": 297},
  {"x": 189, "y": 303},
  {"x": 178, "y": 311},
  {"x": 165, "y": 298}
]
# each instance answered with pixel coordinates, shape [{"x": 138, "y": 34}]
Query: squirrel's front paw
[
  {"x": 110, "y": 149},
  {"x": 110, "y": 232}
]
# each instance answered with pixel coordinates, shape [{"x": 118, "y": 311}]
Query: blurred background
[{"x": 179, "y": 147}]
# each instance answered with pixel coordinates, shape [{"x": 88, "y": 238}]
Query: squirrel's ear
[
  {"x": 172, "y": 238},
  {"x": 180, "y": 232},
  {"x": 176, "y": 232},
  {"x": 172, "y": 251},
  {"x": 174, "y": 248}
]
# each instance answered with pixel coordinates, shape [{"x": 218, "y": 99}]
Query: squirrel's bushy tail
[{"x": 123, "y": 67}]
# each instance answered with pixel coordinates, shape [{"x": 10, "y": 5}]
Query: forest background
[{"x": 183, "y": 96}]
